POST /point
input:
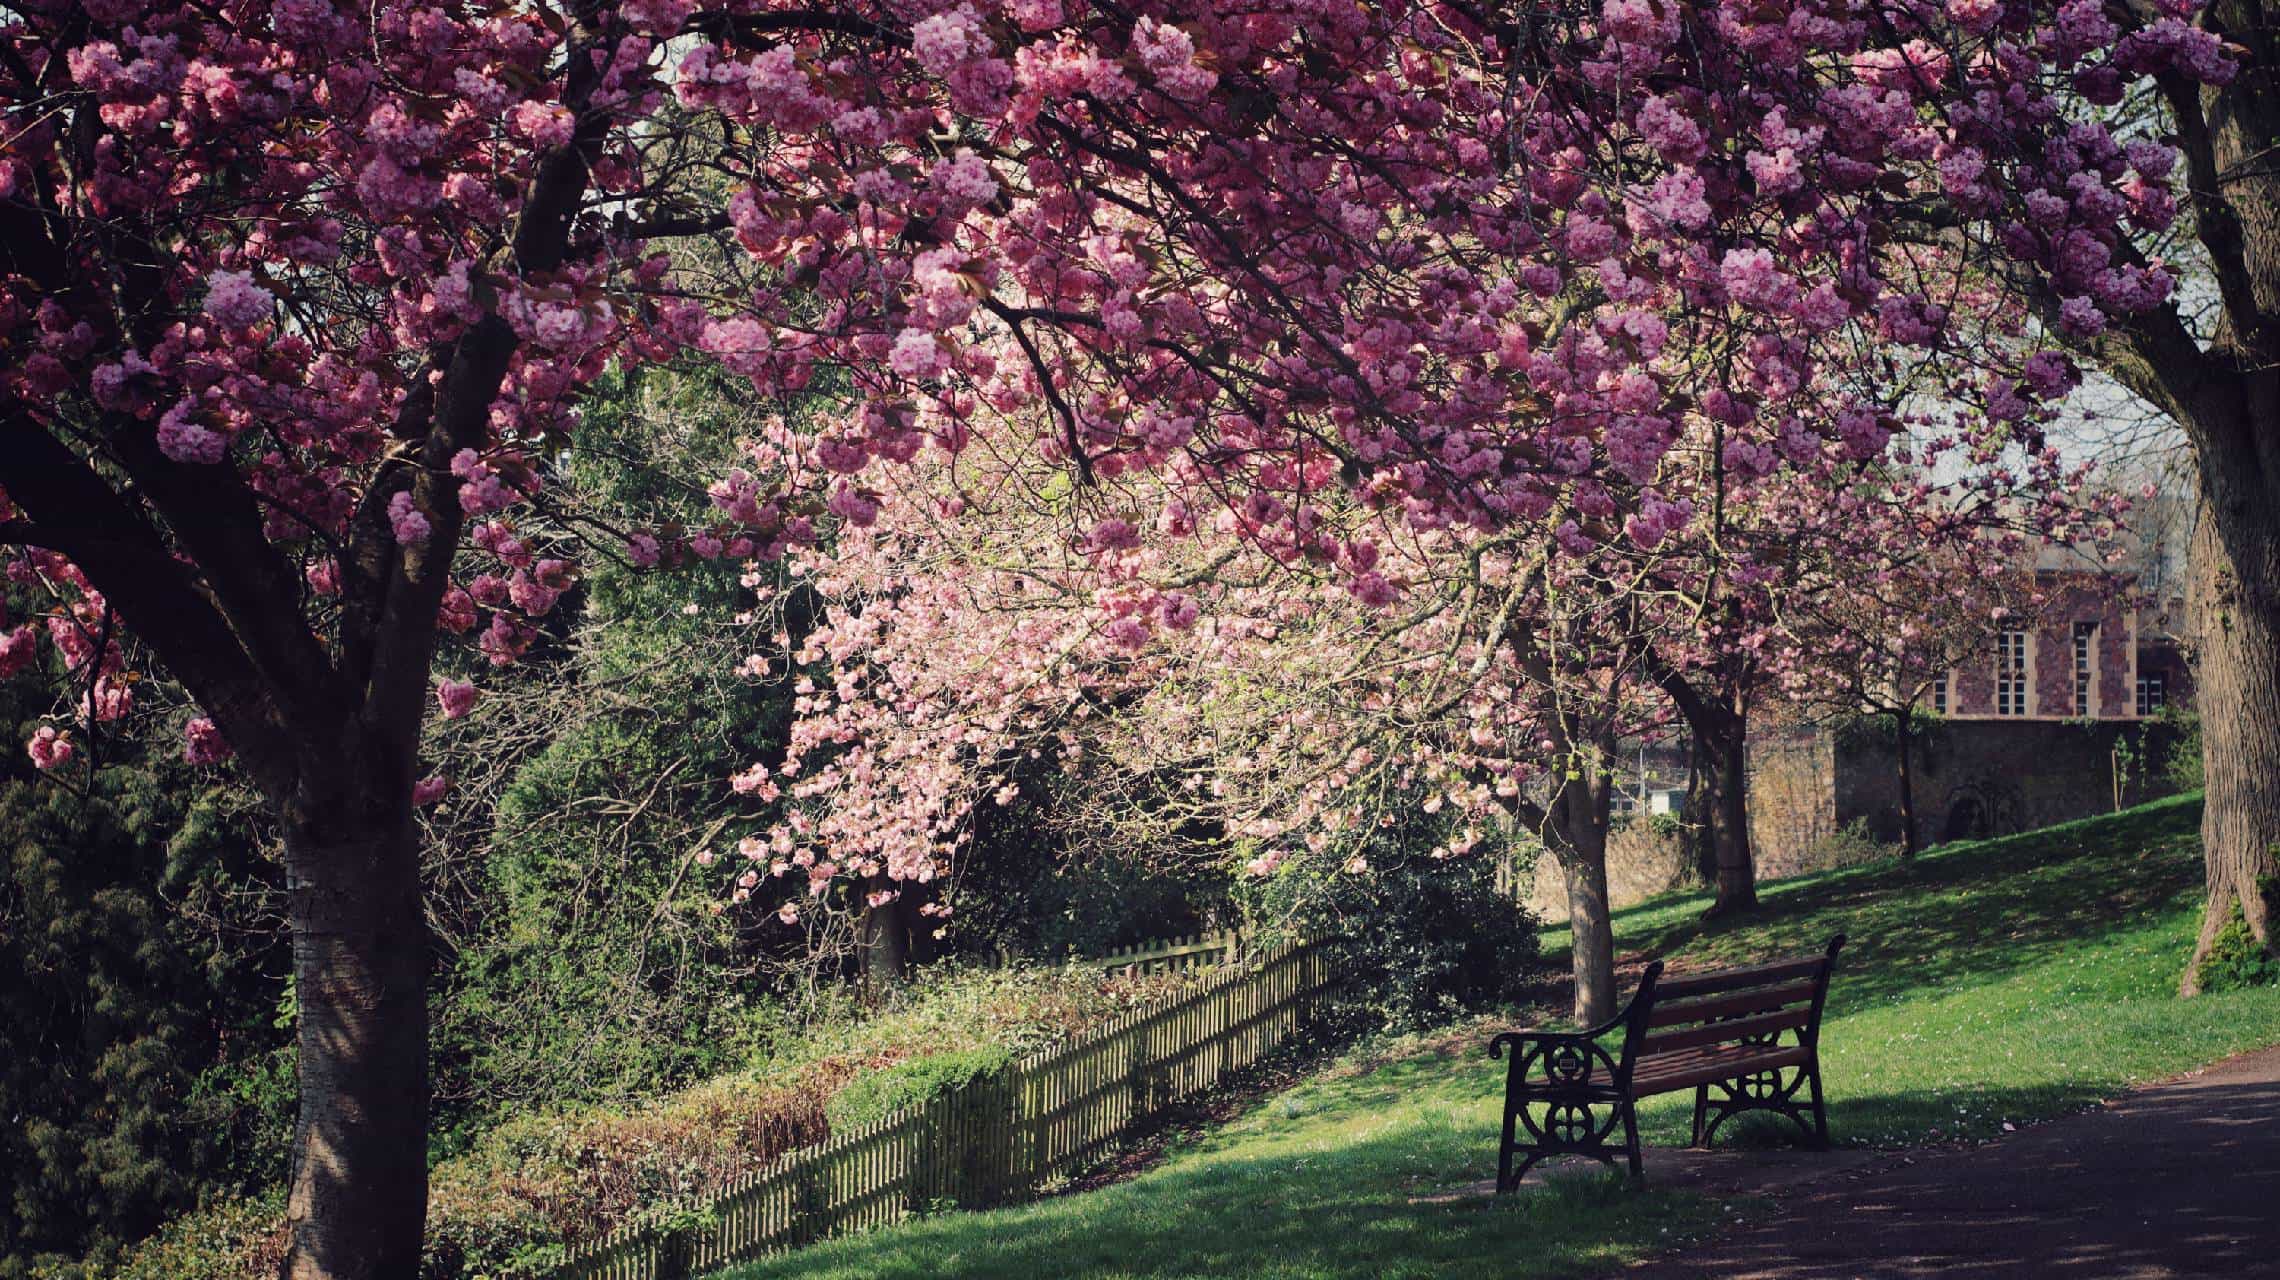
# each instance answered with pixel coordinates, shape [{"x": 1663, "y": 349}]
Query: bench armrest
[
  {"x": 1525, "y": 1037},
  {"x": 1567, "y": 1058},
  {"x": 1556, "y": 1062}
]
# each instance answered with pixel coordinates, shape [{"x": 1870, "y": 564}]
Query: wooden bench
[{"x": 1752, "y": 1035}]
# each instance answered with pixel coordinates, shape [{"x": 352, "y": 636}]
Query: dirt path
[{"x": 2180, "y": 1179}]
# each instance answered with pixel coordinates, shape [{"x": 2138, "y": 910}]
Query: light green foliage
[
  {"x": 2181, "y": 764},
  {"x": 874, "y": 1095},
  {"x": 2236, "y": 960}
]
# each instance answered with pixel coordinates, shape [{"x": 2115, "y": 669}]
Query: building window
[
  {"x": 2151, "y": 697},
  {"x": 2085, "y": 664},
  {"x": 2011, "y": 673},
  {"x": 1939, "y": 696}
]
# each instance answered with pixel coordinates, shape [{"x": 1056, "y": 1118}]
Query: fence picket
[{"x": 1000, "y": 1137}]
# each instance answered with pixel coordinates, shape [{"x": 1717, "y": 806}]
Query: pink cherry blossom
[
  {"x": 457, "y": 697},
  {"x": 202, "y": 743},
  {"x": 49, "y": 748},
  {"x": 232, "y": 298}
]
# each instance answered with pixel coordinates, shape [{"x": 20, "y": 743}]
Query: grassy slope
[
  {"x": 1987, "y": 983},
  {"x": 2004, "y": 980}
]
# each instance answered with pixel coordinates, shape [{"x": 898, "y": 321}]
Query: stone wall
[
  {"x": 1791, "y": 815},
  {"x": 1998, "y": 777}
]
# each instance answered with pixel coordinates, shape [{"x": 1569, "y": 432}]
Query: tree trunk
[
  {"x": 1903, "y": 721},
  {"x": 357, "y": 1203},
  {"x": 1578, "y": 830},
  {"x": 1594, "y": 939},
  {"x": 1727, "y": 747},
  {"x": 884, "y": 940},
  {"x": 2235, "y": 594},
  {"x": 1701, "y": 826}
]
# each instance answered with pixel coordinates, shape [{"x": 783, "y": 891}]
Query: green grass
[
  {"x": 1313, "y": 1183},
  {"x": 1989, "y": 983}
]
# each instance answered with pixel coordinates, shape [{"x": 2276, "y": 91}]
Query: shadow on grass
[
  {"x": 1924, "y": 1115},
  {"x": 1960, "y": 915},
  {"x": 1330, "y": 1213}
]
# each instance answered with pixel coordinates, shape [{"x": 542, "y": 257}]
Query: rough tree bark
[
  {"x": 883, "y": 940},
  {"x": 1575, "y": 827},
  {"x": 2225, "y": 392},
  {"x": 1729, "y": 783},
  {"x": 1701, "y": 826},
  {"x": 357, "y": 1198},
  {"x": 1719, "y": 721},
  {"x": 2235, "y": 594}
]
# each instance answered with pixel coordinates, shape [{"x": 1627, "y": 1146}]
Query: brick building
[
  {"x": 2057, "y": 719},
  {"x": 2088, "y": 655}
]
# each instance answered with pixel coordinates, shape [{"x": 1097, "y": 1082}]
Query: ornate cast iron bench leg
[
  {"x": 1775, "y": 1089},
  {"x": 1631, "y": 1142},
  {"x": 1561, "y": 1098},
  {"x": 1820, "y": 1107},
  {"x": 1583, "y": 1088}
]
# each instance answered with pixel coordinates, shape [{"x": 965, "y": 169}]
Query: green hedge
[{"x": 876, "y": 1094}]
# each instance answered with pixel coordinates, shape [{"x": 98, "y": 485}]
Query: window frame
[{"x": 2014, "y": 683}]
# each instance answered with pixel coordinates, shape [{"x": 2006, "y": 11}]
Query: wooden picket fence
[
  {"x": 1167, "y": 955},
  {"x": 995, "y": 1140}
]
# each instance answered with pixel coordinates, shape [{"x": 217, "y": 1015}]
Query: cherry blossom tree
[
  {"x": 297, "y": 297},
  {"x": 1198, "y": 676},
  {"x": 1817, "y": 577}
]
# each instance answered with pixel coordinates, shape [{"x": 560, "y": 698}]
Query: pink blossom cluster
[
  {"x": 1279, "y": 276},
  {"x": 202, "y": 742}
]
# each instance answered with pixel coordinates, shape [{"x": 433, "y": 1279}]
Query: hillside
[{"x": 1989, "y": 984}]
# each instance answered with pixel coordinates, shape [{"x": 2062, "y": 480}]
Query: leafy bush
[
  {"x": 874, "y": 1095},
  {"x": 1041, "y": 878},
  {"x": 2236, "y": 960},
  {"x": 140, "y": 969},
  {"x": 226, "y": 1241},
  {"x": 1848, "y": 846},
  {"x": 539, "y": 1182},
  {"x": 525, "y": 1188},
  {"x": 1418, "y": 936},
  {"x": 2181, "y": 763}
]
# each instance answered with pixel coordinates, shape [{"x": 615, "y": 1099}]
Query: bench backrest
[{"x": 1752, "y": 1005}]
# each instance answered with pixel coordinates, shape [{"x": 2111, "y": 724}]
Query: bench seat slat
[
  {"x": 1686, "y": 1070},
  {"x": 1761, "y": 1000},
  {"x": 1757, "y": 975},
  {"x": 1722, "y": 1032}
]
